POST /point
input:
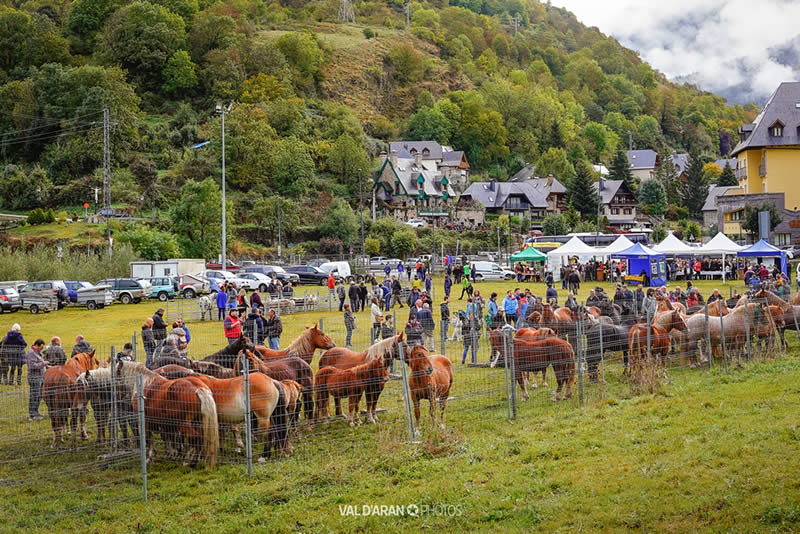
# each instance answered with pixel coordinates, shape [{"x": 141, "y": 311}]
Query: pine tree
[
  {"x": 621, "y": 170},
  {"x": 582, "y": 193},
  {"x": 556, "y": 137},
  {"x": 667, "y": 174},
  {"x": 695, "y": 189},
  {"x": 727, "y": 177}
]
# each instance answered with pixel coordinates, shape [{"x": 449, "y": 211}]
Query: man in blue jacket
[
  {"x": 448, "y": 283},
  {"x": 510, "y": 306},
  {"x": 551, "y": 294},
  {"x": 428, "y": 283},
  {"x": 491, "y": 308},
  {"x": 222, "y": 303}
]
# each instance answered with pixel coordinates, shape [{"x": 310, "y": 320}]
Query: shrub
[{"x": 369, "y": 33}]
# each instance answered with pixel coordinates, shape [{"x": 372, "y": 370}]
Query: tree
[
  {"x": 711, "y": 172},
  {"x": 621, "y": 170},
  {"x": 727, "y": 177},
  {"x": 340, "y": 221},
  {"x": 294, "y": 168},
  {"x": 694, "y": 189},
  {"x": 262, "y": 88},
  {"x": 667, "y": 174},
  {"x": 602, "y": 141},
  {"x": 555, "y": 162},
  {"x": 404, "y": 242},
  {"x": 179, "y": 73},
  {"x": 349, "y": 161},
  {"x": 430, "y": 124},
  {"x": 582, "y": 193},
  {"x": 372, "y": 246},
  {"x": 571, "y": 217},
  {"x": 660, "y": 232},
  {"x": 197, "y": 219},
  {"x": 651, "y": 195},
  {"x": 555, "y": 225},
  {"x": 556, "y": 138},
  {"x": 150, "y": 244},
  {"x": 750, "y": 223},
  {"x": 146, "y": 175},
  {"x": 303, "y": 52},
  {"x": 268, "y": 211},
  {"x": 20, "y": 190}
]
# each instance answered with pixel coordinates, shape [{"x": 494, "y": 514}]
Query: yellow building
[{"x": 768, "y": 152}]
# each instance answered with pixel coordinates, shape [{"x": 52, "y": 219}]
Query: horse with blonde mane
[
  {"x": 59, "y": 393},
  {"x": 304, "y": 346},
  {"x": 386, "y": 349}
]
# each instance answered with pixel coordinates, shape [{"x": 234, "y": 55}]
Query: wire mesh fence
[{"x": 111, "y": 420}]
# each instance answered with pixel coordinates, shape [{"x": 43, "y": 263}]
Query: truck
[{"x": 171, "y": 267}]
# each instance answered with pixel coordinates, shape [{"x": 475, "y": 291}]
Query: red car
[{"x": 231, "y": 266}]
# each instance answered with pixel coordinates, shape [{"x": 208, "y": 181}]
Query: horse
[
  {"x": 293, "y": 391},
  {"x": 227, "y": 355},
  {"x": 765, "y": 297},
  {"x": 533, "y": 356},
  {"x": 95, "y": 386},
  {"x": 288, "y": 368},
  {"x": 736, "y": 324},
  {"x": 172, "y": 372},
  {"x": 385, "y": 349},
  {"x": 206, "y": 306},
  {"x": 431, "y": 378},
  {"x": 614, "y": 339},
  {"x": 350, "y": 383},
  {"x": 184, "y": 411},
  {"x": 662, "y": 325},
  {"x": 59, "y": 393},
  {"x": 530, "y": 334},
  {"x": 198, "y": 366},
  {"x": 268, "y": 409},
  {"x": 790, "y": 321},
  {"x": 304, "y": 346}
]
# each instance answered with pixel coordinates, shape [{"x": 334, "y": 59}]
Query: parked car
[
  {"x": 340, "y": 269},
  {"x": 255, "y": 281},
  {"x": 127, "y": 290},
  {"x": 415, "y": 223},
  {"x": 190, "y": 286},
  {"x": 221, "y": 277},
  {"x": 163, "y": 287},
  {"x": 218, "y": 266},
  {"x": 9, "y": 300},
  {"x": 488, "y": 270},
  {"x": 316, "y": 262},
  {"x": 274, "y": 272},
  {"x": 58, "y": 287},
  {"x": 311, "y": 275}
]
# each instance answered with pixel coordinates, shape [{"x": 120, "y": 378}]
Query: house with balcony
[
  {"x": 451, "y": 164},
  {"x": 617, "y": 203},
  {"x": 507, "y": 198},
  {"x": 643, "y": 163},
  {"x": 407, "y": 188},
  {"x": 553, "y": 190}
]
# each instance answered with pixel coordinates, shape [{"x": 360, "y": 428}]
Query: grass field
[{"x": 710, "y": 451}]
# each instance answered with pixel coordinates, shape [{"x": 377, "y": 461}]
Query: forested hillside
[{"x": 314, "y": 101}]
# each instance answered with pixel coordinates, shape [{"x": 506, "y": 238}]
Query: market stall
[{"x": 641, "y": 259}]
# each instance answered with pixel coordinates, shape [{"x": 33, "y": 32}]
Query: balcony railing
[
  {"x": 762, "y": 170},
  {"x": 517, "y": 206},
  {"x": 740, "y": 174}
]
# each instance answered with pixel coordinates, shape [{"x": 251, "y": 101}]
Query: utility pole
[
  {"x": 107, "y": 175},
  {"x": 361, "y": 206},
  {"x": 223, "y": 110},
  {"x": 408, "y": 15},
  {"x": 630, "y": 140},
  {"x": 515, "y": 23},
  {"x": 279, "y": 230}
]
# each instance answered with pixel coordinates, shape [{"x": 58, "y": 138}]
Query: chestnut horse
[
  {"x": 227, "y": 355},
  {"x": 660, "y": 329},
  {"x": 200, "y": 366},
  {"x": 59, "y": 393},
  {"x": 183, "y": 411},
  {"x": 531, "y": 334},
  {"x": 350, "y": 383},
  {"x": 304, "y": 346},
  {"x": 431, "y": 378},
  {"x": 293, "y": 391},
  {"x": 533, "y": 356},
  {"x": 385, "y": 349},
  {"x": 287, "y": 368},
  {"x": 762, "y": 296}
]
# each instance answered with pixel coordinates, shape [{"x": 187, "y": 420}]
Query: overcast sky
[{"x": 740, "y": 49}]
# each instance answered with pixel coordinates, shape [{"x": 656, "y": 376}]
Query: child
[{"x": 349, "y": 324}]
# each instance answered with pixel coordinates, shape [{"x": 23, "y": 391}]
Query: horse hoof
[
  {"x": 262, "y": 460},
  {"x": 84, "y": 436},
  {"x": 534, "y": 386},
  {"x": 544, "y": 384},
  {"x": 554, "y": 398}
]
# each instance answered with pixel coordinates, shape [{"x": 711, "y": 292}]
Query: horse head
[
  {"x": 419, "y": 361},
  {"x": 678, "y": 322},
  {"x": 320, "y": 339}
]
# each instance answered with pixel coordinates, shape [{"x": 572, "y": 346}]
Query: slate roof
[
  {"x": 783, "y": 106},
  {"x": 452, "y": 158},
  {"x": 406, "y": 149},
  {"x": 525, "y": 173},
  {"x": 681, "y": 161},
  {"x": 713, "y": 192},
  {"x": 610, "y": 189},
  {"x": 721, "y": 163},
  {"x": 408, "y": 171},
  {"x": 545, "y": 188},
  {"x": 642, "y": 159},
  {"x": 495, "y": 194}
]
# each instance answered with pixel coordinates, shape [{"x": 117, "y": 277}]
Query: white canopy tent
[
  {"x": 560, "y": 256},
  {"x": 720, "y": 245},
  {"x": 621, "y": 243},
  {"x": 672, "y": 246}
]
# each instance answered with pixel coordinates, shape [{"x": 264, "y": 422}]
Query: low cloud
[{"x": 738, "y": 49}]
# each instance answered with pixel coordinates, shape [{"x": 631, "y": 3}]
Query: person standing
[
  {"x": 257, "y": 303},
  {"x": 36, "y": 367},
  {"x": 352, "y": 294},
  {"x": 362, "y": 296},
  {"x": 397, "y": 290},
  {"x": 399, "y": 269},
  {"x": 377, "y": 319},
  {"x": 222, "y": 303},
  {"x": 491, "y": 308},
  {"x": 81, "y": 346},
  {"x": 474, "y": 273},
  {"x": 149, "y": 340},
  {"x": 448, "y": 283},
  {"x": 180, "y": 324},
  {"x": 551, "y": 295},
  {"x": 413, "y": 330},
  {"x": 254, "y": 326},
  {"x": 159, "y": 325},
  {"x": 428, "y": 283},
  {"x": 510, "y": 308},
  {"x": 470, "y": 331},
  {"x": 467, "y": 269},
  {"x": 125, "y": 355},
  {"x": 232, "y": 326},
  {"x": 340, "y": 292},
  {"x": 425, "y": 318},
  {"x": 387, "y": 270},
  {"x": 54, "y": 353},
  {"x": 232, "y": 301},
  {"x": 331, "y": 288},
  {"x": 387, "y": 329},
  {"x": 349, "y": 325},
  {"x": 444, "y": 311},
  {"x": 274, "y": 328},
  {"x": 241, "y": 302},
  {"x": 12, "y": 351}
]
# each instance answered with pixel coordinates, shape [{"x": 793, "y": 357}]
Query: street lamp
[
  {"x": 224, "y": 110},
  {"x": 361, "y": 206}
]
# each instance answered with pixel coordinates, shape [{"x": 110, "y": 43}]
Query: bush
[
  {"x": 36, "y": 216},
  {"x": 369, "y": 33},
  {"x": 150, "y": 244}
]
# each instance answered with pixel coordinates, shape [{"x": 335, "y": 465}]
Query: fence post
[
  {"x": 774, "y": 327},
  {"x": 112, "y": 424},
  {"x": 794, "y": 316},
  {"x": 321, "y": 323},
  {"x": 412, "y": 433},
  {"x": 710, "y": 354},
  {"x": 649, "y": 337},
  {"x": 142, "y": 433},
  {"x": 443, "y": 335},
  {"x": 747, "y": 332},
  {"x": 579, "y": 345},
  {"x": 392, "y": 369},
  {"x": 509, "y": 380},
  {"x": 602, "y": 360},
  {"x": 248, "y": 431},
  {"x": 513, "y": 365},
  {"x": 724, "y": 345},
  {"x": 135, "y": 348}
]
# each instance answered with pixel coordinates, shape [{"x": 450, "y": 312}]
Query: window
[
  {"x": 783, "y": 240},
  {"x": 626, "y": 211},
  {"x": 614, "y": 211},
  {"x": 776, "y": 129}
]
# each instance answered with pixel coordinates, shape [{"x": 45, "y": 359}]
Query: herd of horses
[{"x": 191, "y": 404}]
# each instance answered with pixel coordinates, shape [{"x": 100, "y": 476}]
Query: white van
[
  {"x": 488, "y": 270},
  {"x": 340, "y": 269}
]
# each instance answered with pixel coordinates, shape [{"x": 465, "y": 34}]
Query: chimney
[
  {"x": 601, "y": 185},
  {"x": 393, "y": 158},
  {"x": 491, "y": 185},
  {"x": 549, "y": 180}
]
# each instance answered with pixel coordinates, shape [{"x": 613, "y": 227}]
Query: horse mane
[
  {"x": 101, "y": 374},
  {"x": 79, "y": 361},
  {"x": 132, "y": 369},
  {"x": 301, "y": 345},
  {"x": 380, "y": 349}
]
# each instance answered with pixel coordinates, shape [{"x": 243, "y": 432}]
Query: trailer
[
  {"x": 40, "y": 300},
  {"x": 94, "y": 297},
  {"x": 172, "y": 267}
]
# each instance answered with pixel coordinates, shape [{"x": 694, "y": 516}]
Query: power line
[{"x": 43, "y": 136}]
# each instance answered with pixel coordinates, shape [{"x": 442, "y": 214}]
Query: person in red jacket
[
  {"x": 233, "y": 326},
  {"x": 331, "y": 288}
]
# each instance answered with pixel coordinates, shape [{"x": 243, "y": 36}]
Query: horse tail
[
  {"x": 279, "y": 421},
  {"x": 208, "y": 410}
]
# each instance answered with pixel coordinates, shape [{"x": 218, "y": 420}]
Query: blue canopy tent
[
  {"x": 641, "y": 258},
  {"x": 762, "y": 249}
]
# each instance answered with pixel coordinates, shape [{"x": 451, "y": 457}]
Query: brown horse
[
  {"x": 287, "y": 368},
  {"x": 531, "y": 334},
  {"x": 385, "y": 349},
  {"x": 60, "y": 395},
  {"x": 660, "y": 329},
  {"x": 95, "y": 386},
  {"x": 533, "y": 356},
  {"x": 763, "y": 296},
  {"x": 431, "y": 378},
  {"x": 304, "y": 346},
  {"x": 267, "y": 409},
  {"x": 350, "y": 383},
  {"x": 293, "y": 391},
  {"x": 183, "y": 411},
  {"x": 173, "y": 372}
]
